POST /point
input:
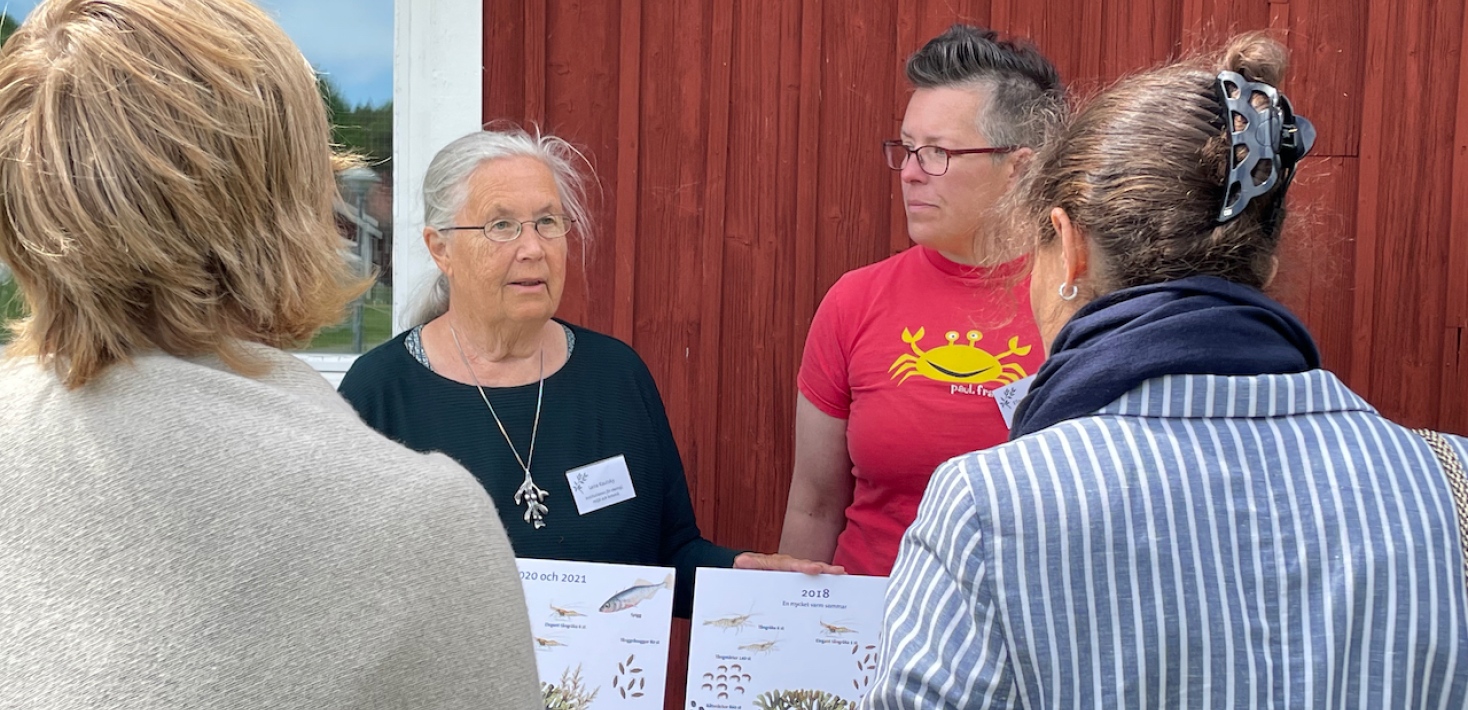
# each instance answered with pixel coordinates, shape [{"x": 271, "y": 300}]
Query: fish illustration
[{"x": 640, "y": 591}]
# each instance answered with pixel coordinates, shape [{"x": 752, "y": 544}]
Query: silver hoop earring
[{"x": 1071, "y": 295}]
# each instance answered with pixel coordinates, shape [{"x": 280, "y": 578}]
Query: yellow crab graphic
[{"x": 958, "y": 363}]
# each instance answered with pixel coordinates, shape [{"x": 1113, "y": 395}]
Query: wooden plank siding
[
  {"x": 1454, "y": 410},
  {"x": 736, "y": 143}
]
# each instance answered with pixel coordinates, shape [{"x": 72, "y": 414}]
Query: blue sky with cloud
[{"x": 348, "y": 40}]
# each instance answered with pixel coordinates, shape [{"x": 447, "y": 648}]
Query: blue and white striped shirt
[{"x": 1203, "y": 541}]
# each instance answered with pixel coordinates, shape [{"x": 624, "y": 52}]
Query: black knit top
[{"x": 602, "y": 403}]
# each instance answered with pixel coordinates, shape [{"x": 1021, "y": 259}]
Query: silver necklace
[{"x": 532, "y": 496}]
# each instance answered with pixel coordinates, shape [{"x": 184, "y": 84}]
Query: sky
[{"x": 348, "y": 40}]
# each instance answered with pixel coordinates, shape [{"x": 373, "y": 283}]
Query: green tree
[
  {"x": 364, "y": 129},
  {"x": 336, "y": 104},
  {"x": 7, "y": 27},
  {"x": 10, "y": 307}
]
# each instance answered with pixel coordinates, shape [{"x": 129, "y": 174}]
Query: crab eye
[
  {"x": 951, "y": 335},
  {"x": 974, "y": 335}
]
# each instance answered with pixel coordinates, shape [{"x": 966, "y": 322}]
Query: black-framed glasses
[
  {"x": 932, "y": 159},
  {"x": 551, "y": 226}
]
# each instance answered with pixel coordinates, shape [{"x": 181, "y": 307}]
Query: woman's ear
[
  {"x": 438, "y": 248},
  {"x": 1019, "y": 161},
  {"x": 1075, "y": 247},
  {"x": 1273, "y": 272}
]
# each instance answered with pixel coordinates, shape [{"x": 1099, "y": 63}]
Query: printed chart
[
  {"x": 601, "y": 632},
  {"x": 764, "y": 640}
]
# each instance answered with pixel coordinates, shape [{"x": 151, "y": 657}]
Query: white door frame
[{"x": 438, "y": 87}]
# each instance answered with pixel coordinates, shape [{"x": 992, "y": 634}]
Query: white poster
[
  {"x": 764, "y": 640},
  {"x": 601, "y": 632}
]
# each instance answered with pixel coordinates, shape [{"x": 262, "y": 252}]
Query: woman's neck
[
  {"x": 492, "y": 355},
  {"x": 497, "y": 342},
  {"x": 983, "y": 247}
]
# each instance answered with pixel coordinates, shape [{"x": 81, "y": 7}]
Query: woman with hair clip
[{"x": 1190, "y": 512}]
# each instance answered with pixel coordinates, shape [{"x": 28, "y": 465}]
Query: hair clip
[{"x": 1273, "y": 133}]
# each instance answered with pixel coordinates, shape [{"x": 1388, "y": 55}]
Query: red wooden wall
[{"x": 737, "y": 147}]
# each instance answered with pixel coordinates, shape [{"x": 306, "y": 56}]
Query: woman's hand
[{"x": 784, "y": 563}]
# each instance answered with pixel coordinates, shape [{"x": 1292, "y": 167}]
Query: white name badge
[
  {"x": 1008, "y": 397},
  {"x": 598, "y": 485}
]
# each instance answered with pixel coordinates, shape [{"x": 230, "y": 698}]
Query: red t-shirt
[{"x": 908, "y": 351}]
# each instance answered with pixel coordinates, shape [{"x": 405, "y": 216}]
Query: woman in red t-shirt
[{"x": 904, "y": 355}]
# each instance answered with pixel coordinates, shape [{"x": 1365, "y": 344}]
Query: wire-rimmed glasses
[
  {"x": 551, "y": 226},
  {"x": 932, "y": 159}
]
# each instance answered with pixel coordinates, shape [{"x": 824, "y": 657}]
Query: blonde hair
[
  {"x": 166, "y": 184},
  {"x": 1141, "y": 170}
]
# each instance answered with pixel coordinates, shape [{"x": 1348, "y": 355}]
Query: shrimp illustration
[
  {"x": 834, "y": 630},
  {"x": 564, "y": 613},
  {"x": 761, "y": 647},
  {"x": 547, "y": 643},
  {"x": 738, "y": 622}
]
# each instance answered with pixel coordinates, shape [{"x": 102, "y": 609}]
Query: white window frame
[{"x": 438, "y": 87}]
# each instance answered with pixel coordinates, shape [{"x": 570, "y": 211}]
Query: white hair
[{"x": 445, "y": 188}]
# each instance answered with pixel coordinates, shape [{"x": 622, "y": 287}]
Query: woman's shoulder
[
  {"x": 1034, "y": 453},
  {"x": 876, "y": 272},
  {"x": 602, "y": 350},
  {"x": 380, "y": 364},
  {"x": 895, "y": 277}
]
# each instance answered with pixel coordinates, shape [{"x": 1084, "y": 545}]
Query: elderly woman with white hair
[{"x": 563, "y": 426}]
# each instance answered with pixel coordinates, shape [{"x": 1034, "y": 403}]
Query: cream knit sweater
[{"x": 175, "y": 535}]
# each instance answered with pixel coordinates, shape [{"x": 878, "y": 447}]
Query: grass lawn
[
  {"x": 377, "y": 321},
  {"x": 376, "y": 326},
  {"x": 9, "y": 307}
]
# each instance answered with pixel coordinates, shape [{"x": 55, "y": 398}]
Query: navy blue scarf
[{"x": 1200, "y": 325}]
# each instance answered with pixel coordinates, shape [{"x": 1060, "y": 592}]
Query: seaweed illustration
[
  {"x": 802, "y": 700},
  {"x": 569, "y": 694}
]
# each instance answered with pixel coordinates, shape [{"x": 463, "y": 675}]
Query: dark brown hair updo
[{"x": 1141, "y": 170}]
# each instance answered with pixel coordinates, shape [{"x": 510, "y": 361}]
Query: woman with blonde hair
[
  {"x": 192, "y": 518},
  {"x": 1190, "y": 512}
]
